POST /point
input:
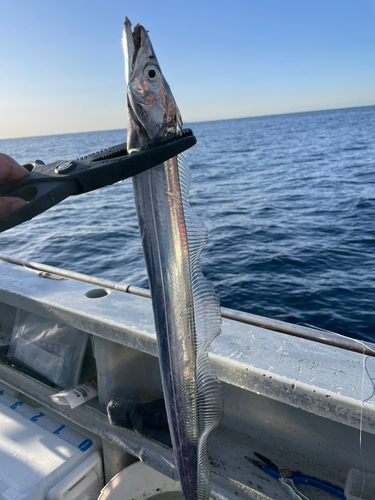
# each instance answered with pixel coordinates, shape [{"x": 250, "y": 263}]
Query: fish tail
[{"x": 208, "y": 326}]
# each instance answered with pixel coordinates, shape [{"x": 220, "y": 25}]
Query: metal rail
[{"x": 315, "y": 335}]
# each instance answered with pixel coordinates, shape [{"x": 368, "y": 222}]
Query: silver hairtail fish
[{"x": 186, "y": 310}]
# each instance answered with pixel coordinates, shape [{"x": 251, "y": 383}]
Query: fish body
[{"x": 186, "y": 310}]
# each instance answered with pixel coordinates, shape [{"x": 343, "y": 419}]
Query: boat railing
[{"x": 310, "y": 333}]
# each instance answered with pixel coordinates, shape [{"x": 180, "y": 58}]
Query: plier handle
[
  {"x": 289, "y": 479},
  {"x": 48, "y": 185}
]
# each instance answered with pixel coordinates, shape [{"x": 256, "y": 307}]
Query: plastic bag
[{"x": 53, "y": 350}]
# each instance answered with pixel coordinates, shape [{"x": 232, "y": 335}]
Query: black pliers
[{"x": 47, "y": 185}]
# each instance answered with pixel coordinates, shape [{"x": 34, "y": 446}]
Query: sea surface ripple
[{"x": 289, "y": 202}]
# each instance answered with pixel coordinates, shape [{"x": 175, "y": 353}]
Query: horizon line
[{"x": 200, "y": 121}]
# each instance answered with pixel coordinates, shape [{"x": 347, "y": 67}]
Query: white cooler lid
[{"x": 29, "y": 454}]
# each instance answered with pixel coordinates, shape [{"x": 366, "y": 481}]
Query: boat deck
[{"x": 295, "y": 401}]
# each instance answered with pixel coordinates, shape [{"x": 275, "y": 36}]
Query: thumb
[{"x": 10, "y": 170}]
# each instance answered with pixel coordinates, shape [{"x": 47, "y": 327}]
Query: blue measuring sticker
[{"x": 42, "y": 420}]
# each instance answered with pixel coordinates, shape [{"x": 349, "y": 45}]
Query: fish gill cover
[{"x": 186, "y": 309}]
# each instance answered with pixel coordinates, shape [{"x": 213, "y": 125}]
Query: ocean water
[{"x": 289, "y": 202}]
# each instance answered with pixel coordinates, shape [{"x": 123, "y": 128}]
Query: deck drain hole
[{"x": 96, "y": 293}]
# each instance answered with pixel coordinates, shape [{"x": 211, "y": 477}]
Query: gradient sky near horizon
[{"x": 62, "y": 68}]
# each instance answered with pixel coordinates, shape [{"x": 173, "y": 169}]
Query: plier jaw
[
  {"x": 48, "y": 185},
  {"x": 289, "y": 479},
  {"x": 267, "y": 466}
]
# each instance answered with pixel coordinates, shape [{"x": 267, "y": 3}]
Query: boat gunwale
[{"x": 314, "y": 334}]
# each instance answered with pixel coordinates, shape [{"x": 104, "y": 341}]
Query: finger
[
  {"x": 10, "y": 170},
  {"x": 10, "y": 203}
]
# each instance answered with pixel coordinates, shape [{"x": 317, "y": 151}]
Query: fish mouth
[
  {"x": 152, "y": 111},
  {"x": 133, "y": 40}
]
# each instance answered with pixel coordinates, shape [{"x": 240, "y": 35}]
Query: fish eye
[{"x": 151, "y": 73}]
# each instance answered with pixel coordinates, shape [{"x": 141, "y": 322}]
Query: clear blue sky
[{"x": 62, "y": 69}]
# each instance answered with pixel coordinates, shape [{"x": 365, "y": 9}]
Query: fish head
[{"x": 152, "y": 111}]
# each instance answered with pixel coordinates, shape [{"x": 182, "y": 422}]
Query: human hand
[{"x": 10, "y": 170}]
